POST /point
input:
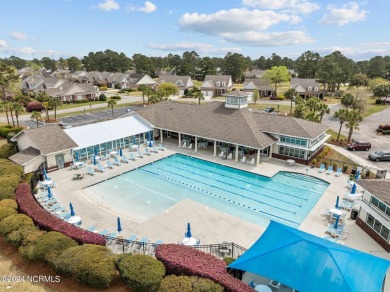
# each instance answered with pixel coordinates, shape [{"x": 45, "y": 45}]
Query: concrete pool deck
[{"x": 209, "y": 225}]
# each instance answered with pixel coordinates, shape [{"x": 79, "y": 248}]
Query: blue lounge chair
[
  {"x": 339, "y": 172},
  {"x": 64, "y": 216},
  {"x": 116, "y": 161},
  {"x": 132, "y": 237},
  {"x": 132, "y": 157},
  {"x": 139, "y": 154},
  {"x": 100, "y": 167},
  {"x": 125, "y": 159},
  {"x": 90, "y": 171},
  {"x": 105, "y": 232},
  {"x": 322, "y": 168},
  {"x": 147, "y": 152},
  {"x": 59, "y": 210},
  {"x": 161, "y": 147},
  {"x": 91, "y": 228},
  {"x": 330, "y": 169},
  {"x": 109, "y": 164},
  {"x": 112, "y": 235}
]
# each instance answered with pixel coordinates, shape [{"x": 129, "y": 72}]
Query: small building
[
  {"x": 236, "y": 99},
  {"x": 216, "y": 85},
  {"x": 374, "y": 213}
]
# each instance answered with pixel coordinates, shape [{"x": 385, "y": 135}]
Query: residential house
[
  {"x": 306, "y": 88},
  {"x": 182, "y": 82},
  {"x": 262, "y": 85},
  {"x": 216, "y": 85},
  {"x": 32, "y": 84},
  {"x": 70, "y": 92},
  {"x": 135, "y": 80},
  {"x": 374, "y": 211},
  {"x": 255, "y": 74}
]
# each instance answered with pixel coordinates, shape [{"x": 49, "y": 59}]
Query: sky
[{"x": 64, "y": 28}]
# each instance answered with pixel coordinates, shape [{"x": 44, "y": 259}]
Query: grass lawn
[
  {"x": 133, "y": 93},
  {"x": 333, "y": 136},
  {"x": 197, "y": 83},
  {"x": 2, "y": 142},
  {"x": 74, "y": 105},
  {"x": 284, "y": 109},
  {"x": 238, "y": 85},
  {"x": 373, "y": 107}
]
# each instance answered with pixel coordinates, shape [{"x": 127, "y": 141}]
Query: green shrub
[
  {"x": 89, "y": 264},
  {"x": 6, "y": 211},
  {"x": 50, "y": 246},
  {"x": 16, "y": 237},
  {"x": 116, "y": 97},
  {"x": 81, "y": 101},
  {"x": 7, "y": 150},
  {"x": 141, "y": 272},
  {"x": 345, "y": 169},
  {"x": 9, "y": 203},
  {"x": 27, "y": 246},
  {"x": 27, "y": 178},
  {"x": 4, "y": 130},
  {"x": 188, "y": 284},
  {"x": 103, "y": 88},
  {"x": 228, "y": 260},
  {"x": 102, "y": 97},
  {"x": 14, "y": 222},
  {"x": 7, "y": 193}
]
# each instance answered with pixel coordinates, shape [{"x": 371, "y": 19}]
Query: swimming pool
[{"x": 149, "y": 190}]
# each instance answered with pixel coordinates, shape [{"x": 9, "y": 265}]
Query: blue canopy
[
  {"x": 150, "y": 140},
  {"x": 308, "y": 263},
  {"x": 119, "y": 225},
  {"x": 95, "y": 150},
  {"x": 188, "y": 233},
  {"x": 72, "y": 213}
]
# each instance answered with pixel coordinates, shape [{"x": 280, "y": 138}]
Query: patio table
[
  {"x": 134, "y": 147},
  {"x": 76, "y": 220},
  {"x": 78, "y": 164},
  {"x": 337, "y": 212},
  {"x": 263, "y": 288},
  {"x": 47, "y": 182},
  {"x": 189, "y": 241},
  {"x": 290, "y": 162}
]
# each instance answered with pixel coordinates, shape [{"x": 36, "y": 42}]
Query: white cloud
[
  {"x": 201, "y": 48},
  {"x": 21, "y": 51},
  {"x": 108, "y": 5},
  {"x": 363, "y": 51},
  {"x": 344, "y": 14},
  {"x": 233, "y": 20},
  {"x": 19, "y": 36},
  {"x": 148, "y": 7},
  {"x": 297, "y": 6},
  {"x": 3, "y": 44},
  {"x": 266, "y": 39}
]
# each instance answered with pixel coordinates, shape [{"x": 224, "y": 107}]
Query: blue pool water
[{"x": 149, "y": 190}]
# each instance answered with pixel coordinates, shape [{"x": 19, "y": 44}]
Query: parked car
[
  {"x": 64, "y": 125},
  {"x": 359, "y": 145},
  {"x": 269, "y": 109},
  {"x": 384, "y": 129},
  {"x": 382, "y": 155}
]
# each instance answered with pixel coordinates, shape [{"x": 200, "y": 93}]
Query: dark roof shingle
[{"x": 378, "y": 187}]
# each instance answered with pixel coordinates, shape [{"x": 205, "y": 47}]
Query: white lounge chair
[
  {"x": 330, "y": 169},
  {"x": 109, "y": 164},
  {"x": 100, "y": 167},
  {"x": 154, "y": 150},
  {"x": 90, "y": 171},
  {"x": 322, "y": 168},
  {"x": 222, "y": 154},
  {"x": 230, "y": 156},
  {"x": 139, "y": 154},
  {"x": 161, "y": 147},
  {"x": 353, "y": 197},
  {"x": 190, "y": 146},
  {"x": 116, "y": 161},
  {"x": 339, "y": 171},
  {"x": 124, "y": 159},
  {"x": 132, "y": 157},
  {"x": 243, "y": 159},
  {"x": 251, "y": 162},
  {"x": 147, "y": 152}
]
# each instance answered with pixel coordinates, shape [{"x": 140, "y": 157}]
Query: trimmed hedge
[
  {"x": 14, "y": 222},
  {"x": 4, "y": 130},
  {"x": 10, "y": 176},
  {"x": 142, "y": 273},
  {"x": 185, "y": 260},
  {"x": 7, "y": 150},
  {"x": 102, "y": 97},
  {"x": 34, "y": 106},
  {"x": 6, "y": 212},
  {"x": 50, "y": 246},
  {"x": 188, "y": 284},
  {"x": 18, "y": 237},
  {"x": 45, "y": 220},
  {"x": 89, "y": 264},
  {"x": 9, "y": 203}
]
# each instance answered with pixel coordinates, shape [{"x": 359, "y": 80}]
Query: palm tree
[
  {"x": 11, "y": 111},
  {"x": 111, "y": 103},
  {"x": 36, "y": 116},
  {"x": 353, "y": 119},
  {"x": 18, "y": 109},
  {"x": 143, "y": 89},
  {"x": 341, "y": 114},
  {"x": 291, "y": 94},
  {"x": 55, "y": 102},
  {"x": 4, "y": 106},
  {"x": 323, "y": 109},
  {"x": 45, "y": 105}
]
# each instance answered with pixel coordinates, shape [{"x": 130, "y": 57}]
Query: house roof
[
  {"x": 54, "y": 134},
  {"x": 261, "y": 84},
  {"x": 305, "y": 83},
  {"x": 212, "y": 80},
  {"x": 236, "y": 93},
  {"x": 257, "y": 73},
  {"x": 25, "y": 155},
  {"x": 179, "y": 81},
  {"x": 378, "y": 187}
]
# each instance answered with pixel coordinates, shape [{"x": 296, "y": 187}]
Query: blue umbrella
[
  {"x": 94, "y": 160},
  {"x": 76, "y": 156},
  {"x": 188, "y": 233},
  {"x": 337, "y": 202},
  {"x": 120, "y": 152},
  {"x": 72, "y": 213},
  {"x": 95, "y": 150},
  {"x": 357, "y": 175},
  {"x": 119, "y": 225},
  {"x": 150, "y": 140},
  {"x": 336, "y": 225},
  {"x": 45, "y": 174},
  {"x": 49, "y": 194},
  {"x": 134, "y": 141},
  {"x": 353, "y": 190}
]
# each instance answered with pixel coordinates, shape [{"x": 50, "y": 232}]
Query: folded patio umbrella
[
  {"x": 72, "y": 213},
  {"x": 119, "y": 225},
  {"x": 188, "y": 233},
  {"x": 337, "y": 202}
]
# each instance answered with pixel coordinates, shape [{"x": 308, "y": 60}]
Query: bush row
[
  {"x": 42, "y": 218},
  {"x": 188, "y": 284},
  {"x": 7, "y": 150},
  {"x": 4, "y": 130},
  {"x": 185, "y": 260},
  {"x": 34, "y": 106},
  {"x": 10, "y": 177}
]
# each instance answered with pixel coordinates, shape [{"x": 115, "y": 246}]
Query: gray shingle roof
[
  {"x": 261, "y": 84},
  {"x": 49, "y": 139},
  {"x": 174, "y": 79},
  {"x": 25, "y": 156},
  {"x": 378, "y": 187},
  {"x": 305, "y": 83}
]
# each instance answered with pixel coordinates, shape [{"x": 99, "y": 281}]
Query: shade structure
[
  {"x": 72, "y": 213},
  {"x": 308, "y": 263},
  {"x": 95, "y": 150},
  {"x": 353, "y": 189},
  {"x": 337, "y": 202},
  {"x": 188, "y": 233},
  {"x": 119, "y": 225},
  {"x": 45, "y": 174},
  {"x": 336, "y": 224},
  {"x": 357, "y": 175},
  {"x": 120, "y": 152},
  {"x": 49, "y": 193},
  {"x": 94, "y": 160}
]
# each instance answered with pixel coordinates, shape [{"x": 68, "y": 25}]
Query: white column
[
  {"x": 161, "y": 135},
  {"x": 215, "y": 147},
  {"x": 179, "y": 139},
  {"x": 196, "y": 143},
  {"x": 236, "y": 158},
  {"x": 258, "y": 157}
]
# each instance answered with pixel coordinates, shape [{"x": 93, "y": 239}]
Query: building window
[
  {"x": 380, "y": 205},
  {"x": 383, "y": 231},
  {"x": 291, "y": 140},
  {"x": 292, "y": 152},
  {"x": 232, "y": 100}
]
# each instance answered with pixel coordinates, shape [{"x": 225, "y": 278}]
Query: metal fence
[
  {"x": 37, "y": 174},
  {"x": 221, "y": 250}
]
